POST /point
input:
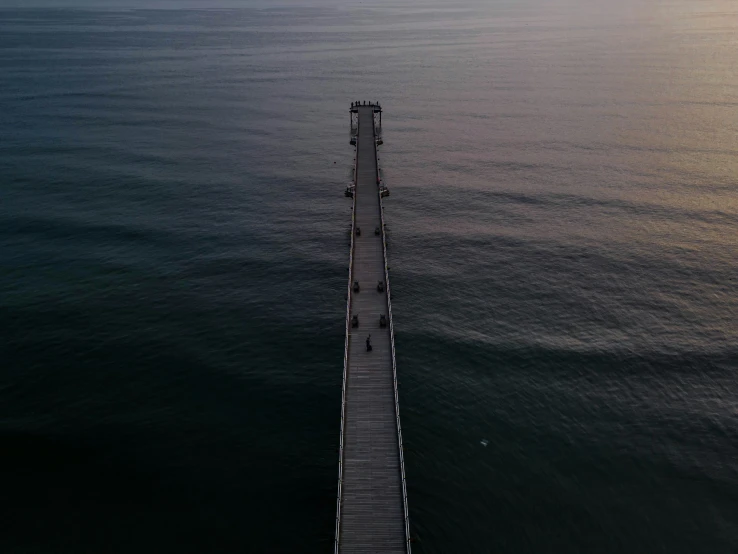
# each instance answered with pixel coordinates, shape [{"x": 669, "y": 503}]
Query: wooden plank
[{"x": 372, "y": 512}]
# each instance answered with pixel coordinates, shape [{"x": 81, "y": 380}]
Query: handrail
[
  {"x": 392, "y": 344},
  {"x": 346, "y": 347}
]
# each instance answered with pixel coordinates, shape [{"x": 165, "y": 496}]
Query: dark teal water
[{"x": 562, "y": 244}]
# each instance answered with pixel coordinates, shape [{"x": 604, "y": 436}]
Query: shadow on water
[{"x": 142, "y": 444}]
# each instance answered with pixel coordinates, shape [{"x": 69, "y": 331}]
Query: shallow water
[{"x": 562, "y": 245}]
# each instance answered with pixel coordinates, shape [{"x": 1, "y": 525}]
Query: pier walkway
[{"x": 372, "y": 500}]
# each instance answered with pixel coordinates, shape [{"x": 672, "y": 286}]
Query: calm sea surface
[{"x": 563, "y": 246}]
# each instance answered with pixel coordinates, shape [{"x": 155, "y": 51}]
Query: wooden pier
[{"x": 372, "y": 499}]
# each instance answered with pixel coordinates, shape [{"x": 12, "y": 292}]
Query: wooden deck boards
[{"x": 372, "y": 508}]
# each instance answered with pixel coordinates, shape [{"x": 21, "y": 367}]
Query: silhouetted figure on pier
[{"x": 369, "y": 343}]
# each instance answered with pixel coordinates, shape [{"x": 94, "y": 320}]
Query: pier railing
[{"x": 346, "y": 353}]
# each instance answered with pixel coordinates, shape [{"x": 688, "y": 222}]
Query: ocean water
[{"x": 173, "y": 257}]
